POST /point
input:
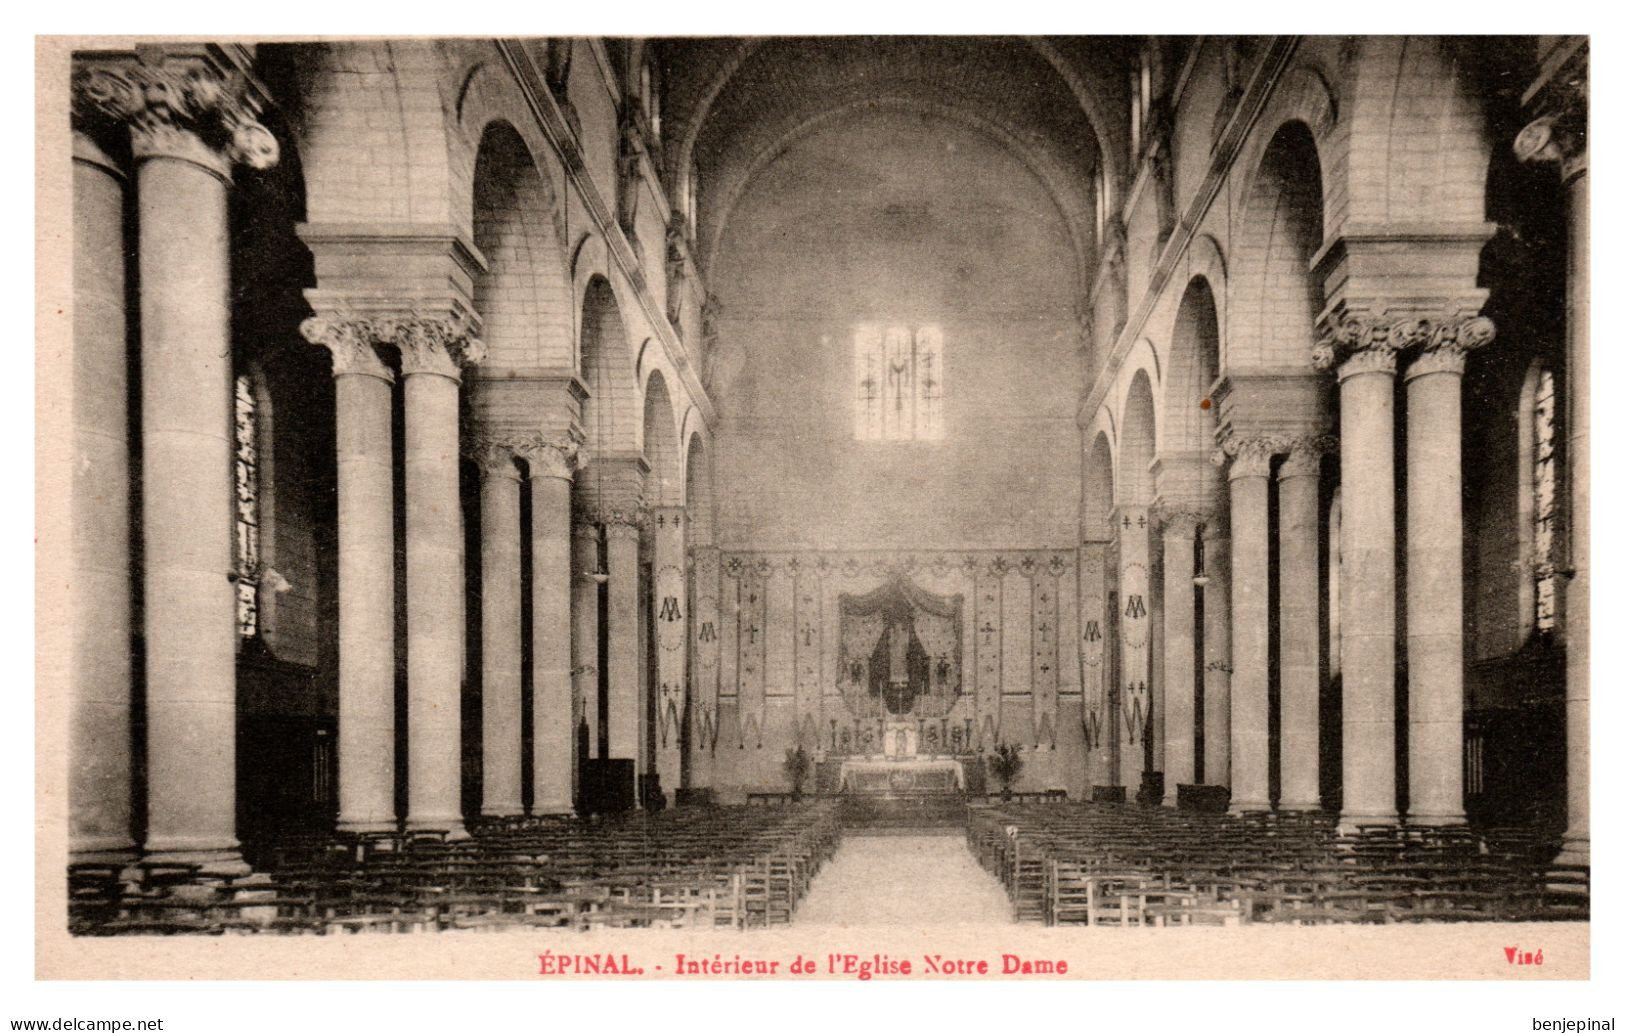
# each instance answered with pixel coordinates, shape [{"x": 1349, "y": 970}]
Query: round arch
[
  {"x": 1189, "y": 415},
  {"x": 523, "y": 297},
  {"x": 698, "y": 492},
  {"x": 1275, "y": 295},
  {"x": 1099, "y": 489},
  {"x": 1137, "y": 444},
  {"x": 664, "y": 485},
  {"x": 610, "y": 416}
]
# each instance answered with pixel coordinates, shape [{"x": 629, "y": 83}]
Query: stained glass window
[
  {"x": 898, "y": 383},
  {"x": 1545, "y": 501},
  {"x": 247, "y": 521}
]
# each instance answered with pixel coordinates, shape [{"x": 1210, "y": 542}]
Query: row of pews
[
  {"x": 1094, "y": 864},
  {"x": 692, "y": 868}
]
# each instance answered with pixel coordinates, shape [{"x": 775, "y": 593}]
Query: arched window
[
  {"x": 647, "y": 92},
  {"x": 1139, "y": 104},
  {"x": 1102, "y": 204},
  {"x": 1539, "y": 513},
  {"x": 690, "y": 202},
  {"x": 898, "y": 383},
  {"x": 246, "y": 512}
]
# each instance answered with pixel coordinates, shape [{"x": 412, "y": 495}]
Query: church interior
[{"x": 584, "y": 482}]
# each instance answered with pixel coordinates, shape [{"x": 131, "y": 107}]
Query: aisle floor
[{"x": 905, "y": 881}]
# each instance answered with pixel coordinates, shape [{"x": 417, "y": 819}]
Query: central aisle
[{"x": 909, "y": 881}]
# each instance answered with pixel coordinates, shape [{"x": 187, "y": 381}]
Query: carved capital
[
  {"x": 1356, "y": 345},
  {"x": 1368, "y": 345},
  {"x": 352, "y": 343},
  {"x": 1250, "y": 457},
  {"x": 441, "y": 346},
  {"x": 710, "y": 316},
  {"x": 1448, "y": 346},
  {"x": 1558, "y": 134},
  {"x": 1180, "y": 522},
  {"x": 1303, "y": 455},
  {"x": 177, "y": 106},
  {"x": 493, "y": 452},
  {"x": 622, "y": 522},
  {"x": 551, "y": 456}
]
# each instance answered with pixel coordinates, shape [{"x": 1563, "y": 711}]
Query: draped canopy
[{"x": 900, "y": 651}]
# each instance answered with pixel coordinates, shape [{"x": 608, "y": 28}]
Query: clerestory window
[{"x": 898, "y": 383}]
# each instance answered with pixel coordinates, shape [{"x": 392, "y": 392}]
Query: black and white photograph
[{"x": 842, "y": 507}]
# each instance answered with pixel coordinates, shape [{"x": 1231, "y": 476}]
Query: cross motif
[{"x": 753, "y": 630}]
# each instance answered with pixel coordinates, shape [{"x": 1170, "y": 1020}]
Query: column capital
[
  {"x": 1180, "y": 522},
  {"x": 1557, "y": 135},
  {"x": 352, "y": 342},
  {"x": 1356, "y": 344},
  {"x": 553, "y": 456},
  {"x": 437, "y": 345},
  {"x": 1248, "y": 457},
  {"x": 177, "y": 104},
  {"x": 1448, "y": 345},
  {"x": 1303, "y": 455},
  {"x": 493, "y": 452},
  {"x": 624, "y": 521}
]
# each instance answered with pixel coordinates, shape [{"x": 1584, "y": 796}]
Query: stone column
[
  {"x": 671, "y": 645},
  {"x": 1433, "y": 562},
  {"x": 622, "y": 529},
  {"x": 363, "y": 401},
  {"x": 1179, "y": 650},
  {"x": 1364, "y": 358},
  {"x": 99, "y": 721},
  {"x": 501, "y": 695},
  {"x": 1216, "y": 652},
  {"x": 1299, "y": 624},
  {"x": 191, "y": 119},
  {"x": 1577, "y": 599},
  {"x": 1249, "y": 622},
  {"x": 1559, "y": 137},
  {"x": 432, "y": 354},
  {"x": 584, "y": 631},
  {"x": 552, "y": 465}
]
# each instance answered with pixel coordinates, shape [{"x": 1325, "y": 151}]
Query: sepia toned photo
[{"x": 902, "y": 506}]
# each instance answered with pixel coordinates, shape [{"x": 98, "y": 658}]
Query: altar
[{"x": 902, "y": 775}]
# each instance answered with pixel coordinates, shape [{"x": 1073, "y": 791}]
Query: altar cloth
[{"x": 913, "y": 774}]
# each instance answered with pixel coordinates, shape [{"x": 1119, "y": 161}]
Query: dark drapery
[{"x": 900, "y": 624}]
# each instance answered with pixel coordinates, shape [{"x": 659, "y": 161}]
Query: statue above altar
[{"x": 900, "y": 657}]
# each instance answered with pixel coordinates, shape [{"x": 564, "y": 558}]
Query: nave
[
  {"x": 905, "y": 880},
  {"x": 755, "y": 867},
  {"x": 470, "y": 526}
]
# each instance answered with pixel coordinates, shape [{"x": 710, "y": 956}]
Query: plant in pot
[
  {"x": 797, "y": 766},
  {"x": 1005, "y": 765}
]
